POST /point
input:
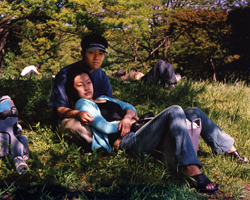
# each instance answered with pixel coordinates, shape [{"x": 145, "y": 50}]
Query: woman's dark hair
[{"x": 69, "y": 87}]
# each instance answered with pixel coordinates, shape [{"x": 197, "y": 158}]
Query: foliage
[
  {"x": 31, "y": 96},
  {"x": 36, "y": 30},
  {"x": 138, "y": 32},
  {"x": 31, "y": 22},
  {"x": 128, "y": 29},
  {"x": 239, "y": 41},
  {"x": 140, "y": 36},
  {"x": 197, "y": 39},
  {"x": 61, "y": 169}
]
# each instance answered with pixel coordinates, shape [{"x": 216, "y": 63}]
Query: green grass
[{"x": 60, "y": 169}]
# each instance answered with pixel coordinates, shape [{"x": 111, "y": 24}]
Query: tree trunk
[
  {"x": 247, "y": 77},
  {"x": 1, "y": 61},
  {"x": 144, "y": 64},
  {"x": 167, "y": 44},
  {"x": 135, "y": 64},
  {"x": 2, "y": 44},
  {"x": 214, "y": 69}
]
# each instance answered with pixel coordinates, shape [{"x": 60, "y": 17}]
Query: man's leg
[
  {"x": 166, "y": 72},
  {"x": 161, "y": 73},
  {"x": 82, "y": 134}
]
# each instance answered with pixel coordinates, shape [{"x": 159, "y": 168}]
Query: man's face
[{"x": 93, "y": 59}]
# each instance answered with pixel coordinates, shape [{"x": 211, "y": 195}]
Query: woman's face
[{"x": 83, "y": 86}]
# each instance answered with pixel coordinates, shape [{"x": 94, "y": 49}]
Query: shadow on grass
[
  {"x": 40, "y": 192},
  {"x": 31, "y": 97},
  {"x": 123, "y": 192}
]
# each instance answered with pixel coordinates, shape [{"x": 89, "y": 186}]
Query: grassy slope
[{"x": 59, "y": 169}]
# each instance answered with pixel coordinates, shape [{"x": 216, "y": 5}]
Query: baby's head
[{"x": 79, "y": 84}]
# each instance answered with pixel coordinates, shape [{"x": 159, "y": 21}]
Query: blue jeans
[{"x": 173, "y": 121}]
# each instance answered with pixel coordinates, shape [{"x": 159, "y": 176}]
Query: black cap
[{"x": 93, "y": 42}]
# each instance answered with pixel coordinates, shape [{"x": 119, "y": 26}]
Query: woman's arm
[
  {"x": 129, "y": 118},
  {"x": 99, "y": 122},
  {"x": 125, "y": 106}
]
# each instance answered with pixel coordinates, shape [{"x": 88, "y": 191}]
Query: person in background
[
  {"x": 30, "y": 70},
  {"x": 162, "y": 73},
  {"x": 74, "y": 122},
  {"x": 178, "y": 73}
]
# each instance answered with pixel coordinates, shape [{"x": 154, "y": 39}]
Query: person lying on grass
[{"x": 112, "y": 120}]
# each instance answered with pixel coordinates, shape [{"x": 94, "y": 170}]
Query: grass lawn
[{"x": 61, "y": 169}]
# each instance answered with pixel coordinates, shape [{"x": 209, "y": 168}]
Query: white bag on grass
[{"x": 194, "y": 131}]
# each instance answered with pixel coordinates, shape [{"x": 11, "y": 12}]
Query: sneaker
[{"x": 20, "y": 165}]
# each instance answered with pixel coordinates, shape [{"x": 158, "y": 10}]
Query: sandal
[
  {"x": 236, "y": 156},
  {"x": 200, "y": 182}
]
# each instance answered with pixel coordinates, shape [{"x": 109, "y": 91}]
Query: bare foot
[
  {"x": 191, "y": 170},
  {"x": 232, "y": 149},
  {"x": 210, "y": 186},
  {"x": 117, "y": 143}
]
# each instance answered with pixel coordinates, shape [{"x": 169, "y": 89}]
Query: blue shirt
[
  {"x": 58, "y": 96},
  {"x": 100, "y": 127}
]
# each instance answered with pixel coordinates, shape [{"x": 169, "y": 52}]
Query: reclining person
[
  {"x": 162, "y": 73},
  {"x": 30, "y": 70},
  {"x": 112, "y": 120}
]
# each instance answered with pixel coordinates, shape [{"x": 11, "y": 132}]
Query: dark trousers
[{"x": 161, "y": 73}]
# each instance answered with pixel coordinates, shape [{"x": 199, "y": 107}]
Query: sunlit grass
[{"x": 60, "y": 169}]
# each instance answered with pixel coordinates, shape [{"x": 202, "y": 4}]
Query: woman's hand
[{"x": 85, "y": 118}]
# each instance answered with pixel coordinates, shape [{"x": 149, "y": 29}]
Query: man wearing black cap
[{"x": 73, "y": 121}]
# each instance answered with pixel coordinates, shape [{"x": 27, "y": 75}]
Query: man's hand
[
  {"x": 124, "y": 126},
  {"x": 135, "y": 118}
]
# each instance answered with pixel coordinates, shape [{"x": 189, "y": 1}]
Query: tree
[
  {"x": 128, "y": 30},
  {"x": 24, "y": 20},
  {"x": 239, "y": 41},
  {"x": 37, "y": 28},
  {"x": 197, "y": 39},
  {"x": 138, "y": 29}
]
